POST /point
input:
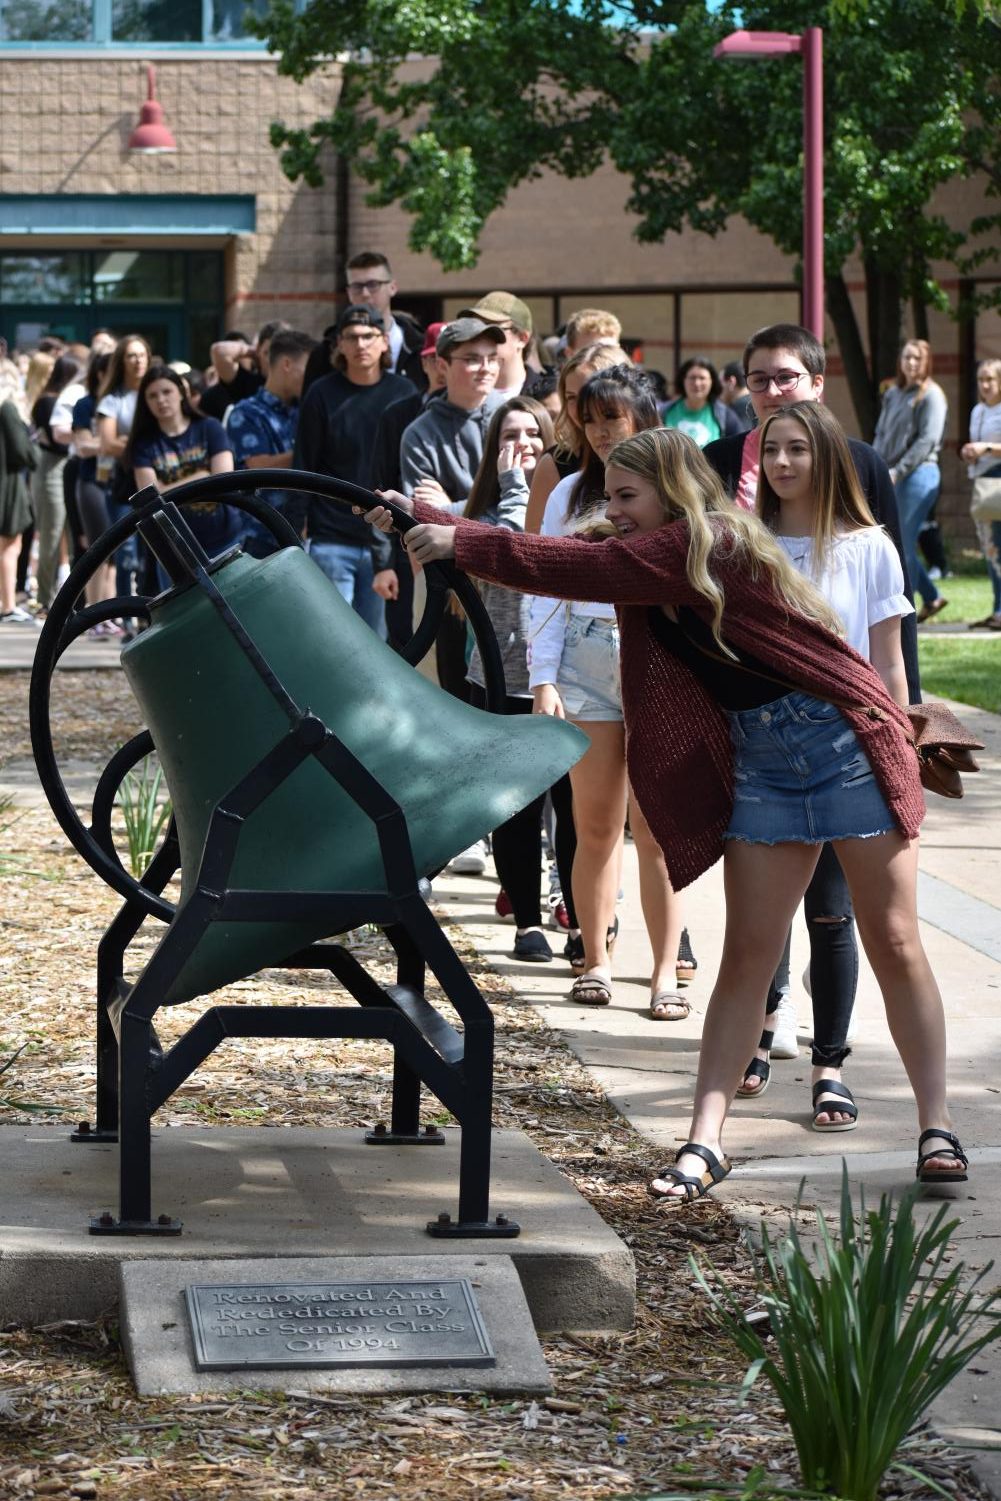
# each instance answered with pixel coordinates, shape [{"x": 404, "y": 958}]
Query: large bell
[{"x": 457, "y": 772}]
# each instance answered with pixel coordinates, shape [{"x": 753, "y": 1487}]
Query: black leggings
[
  {"x": 517, "y": 844},
  {"x": 833, "y": 960}
]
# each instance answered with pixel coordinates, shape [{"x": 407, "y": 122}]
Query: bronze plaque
[{"x": 288, "y": 1324}]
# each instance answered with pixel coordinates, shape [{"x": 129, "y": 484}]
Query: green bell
[{"x": 457, "y": 772}]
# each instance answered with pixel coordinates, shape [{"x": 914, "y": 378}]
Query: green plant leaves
[
  {"x": 865, "y": 1332},
  {"x": 146, "y": 811}
]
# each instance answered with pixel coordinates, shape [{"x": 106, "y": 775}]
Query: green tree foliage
[{"x": 510, "y": 87}]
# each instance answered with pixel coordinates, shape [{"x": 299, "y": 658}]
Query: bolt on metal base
[
  {"x": 107, "y": 1224},
  {"x": 499, "y": 1228},
  {"x": 381, "y": 1136},
  {"x": 86, "y": 1132}
]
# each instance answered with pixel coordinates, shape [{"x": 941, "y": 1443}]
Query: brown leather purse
[{"x": 944, "y": 746}]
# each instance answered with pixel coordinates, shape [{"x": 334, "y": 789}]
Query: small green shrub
[
  {"x": 863, "y": 1339},
  {"x": 146, "y": 811}
]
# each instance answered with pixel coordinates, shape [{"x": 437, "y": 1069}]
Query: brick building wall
[{"x": 66, "y": 121}]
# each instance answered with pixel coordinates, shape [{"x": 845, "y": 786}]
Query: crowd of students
[{"x": 714, "y": 588}]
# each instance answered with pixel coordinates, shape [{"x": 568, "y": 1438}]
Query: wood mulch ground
[{"x": 658, "y": 1409}]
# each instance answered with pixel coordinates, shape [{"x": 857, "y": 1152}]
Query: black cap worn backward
[{"x": 363, "y": 313}]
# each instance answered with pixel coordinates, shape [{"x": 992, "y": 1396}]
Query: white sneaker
[
  {"x": 471, "y": 862},
  {"x": 782, "y": 1022},
  {"x": 17, "y": 616}
]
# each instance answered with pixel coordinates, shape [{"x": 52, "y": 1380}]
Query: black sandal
[
  {"x": 844, "y": 1104},
  {"x": 573, "y": 950},
  {"x": 954, "y": 1149},
  {"x": 717, "y": 1168},
  {"x": 758, "y": 1068},
  {"x": 687, "y": 963}
]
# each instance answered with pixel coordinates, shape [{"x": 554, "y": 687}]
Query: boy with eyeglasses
[
  {"x": 440, "y": 452},
  {"x": 370, "y": 280},
  {"x": 514, "y": 319}
]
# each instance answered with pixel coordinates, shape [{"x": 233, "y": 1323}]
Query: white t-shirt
[
  {"x": 861, "y": 576},
  {"x": 549, "y": 616},
  {"x": 122, "y": 406},
  {"x": 62, "y": 412}
]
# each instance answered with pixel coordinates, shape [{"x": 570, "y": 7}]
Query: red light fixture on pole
[
  {"x": 810, "y": 43},
  {"x": 151, "y": 136}
]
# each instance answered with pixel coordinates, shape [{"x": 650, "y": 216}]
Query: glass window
[
  {"x": 203, "y": 330},
  {"x": 35, "y": 21},
  {"x": 43, "y": 278},
  {"x": 205, "y": 277},
  {"x": 227, "y": 19},
  {"x": 138, "y": 276},
  {"x": 156, "y": 20}
]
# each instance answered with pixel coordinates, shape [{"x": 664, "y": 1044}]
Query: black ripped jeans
[{"x": 833, "y": 961}]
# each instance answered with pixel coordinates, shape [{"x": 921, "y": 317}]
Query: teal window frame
[{"x": 101, "y": 36}]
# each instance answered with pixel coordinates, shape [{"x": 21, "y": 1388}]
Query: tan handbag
[
  {"x": 985, "y": 502},
  {"x": 944, "y": 746}
]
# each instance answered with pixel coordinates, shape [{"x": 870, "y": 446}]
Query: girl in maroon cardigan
[{"x": 732, "y": 666}]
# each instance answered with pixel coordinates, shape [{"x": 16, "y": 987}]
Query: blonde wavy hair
[{"x": 689, "y": 490}]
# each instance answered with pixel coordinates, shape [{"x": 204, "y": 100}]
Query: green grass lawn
[
  {"x": 969, "y": 596},
  {"x": 966, "y": 668}
]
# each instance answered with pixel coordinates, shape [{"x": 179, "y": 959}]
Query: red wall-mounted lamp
[{"x": 151, "y": 136}]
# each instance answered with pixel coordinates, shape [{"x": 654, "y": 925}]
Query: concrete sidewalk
[{"x": 647, "y": 1068}]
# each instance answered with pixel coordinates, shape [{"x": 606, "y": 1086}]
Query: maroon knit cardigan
[{"x": 678, "y": 748}]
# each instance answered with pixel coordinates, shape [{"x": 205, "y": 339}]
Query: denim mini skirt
[
  {"x": 588, "y": 677},
  {"x": 801, "y": 777}
]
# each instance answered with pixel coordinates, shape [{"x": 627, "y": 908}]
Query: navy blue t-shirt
[{"x": 176, "y": 457}]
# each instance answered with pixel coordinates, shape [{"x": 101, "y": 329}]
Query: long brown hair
[
  {"x": 114, "y": 378},
  {"x": 620, "y": 391},
  {"x": 838, "y": 501},
  {"x": 485, "y": 493},
  {"x": 924, "y": 349}
]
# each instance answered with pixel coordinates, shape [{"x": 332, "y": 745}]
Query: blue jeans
[
  {"x": 350, "y": 570},
  {"x": 916, "y": 494},
  {"x": 126, "y": 557}
]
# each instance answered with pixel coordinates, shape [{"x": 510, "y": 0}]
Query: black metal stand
[{"x": 134, "y": 1074}]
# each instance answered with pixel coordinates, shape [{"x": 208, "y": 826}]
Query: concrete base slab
[
  {"x": 156, "y": 1332},
  {"x": 294, "y": 1192}
]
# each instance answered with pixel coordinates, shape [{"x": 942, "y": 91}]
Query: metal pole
[{"x": 813, "y": 180}]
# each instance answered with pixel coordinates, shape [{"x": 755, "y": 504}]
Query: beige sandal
[
  {"x": 667, "y": 1006},
  {"x": 591, "y": 990}
]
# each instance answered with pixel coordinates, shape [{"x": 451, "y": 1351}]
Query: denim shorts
[
  {"x": 801, "y": 777},
  {"x": 588, "y": 679}
]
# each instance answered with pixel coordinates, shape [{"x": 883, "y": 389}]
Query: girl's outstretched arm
[{"x": 648, "y": 569}]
